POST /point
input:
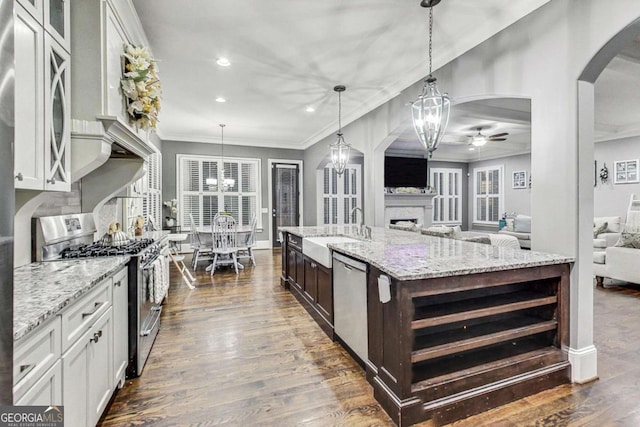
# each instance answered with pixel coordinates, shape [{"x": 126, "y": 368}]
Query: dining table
[{"x": 206, "y": 237}]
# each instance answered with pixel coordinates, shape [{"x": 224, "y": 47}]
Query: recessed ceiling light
[
  {"x": 309, "y": 109},
  {"x": 472, "y": 148},
  {"x": 220, "y": 99},
  {"x": 223, "y": 62}
]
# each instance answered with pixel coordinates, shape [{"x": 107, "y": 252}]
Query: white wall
[
  {"x": 611, "y": 199},
  {"x": 539, "y": 57}
]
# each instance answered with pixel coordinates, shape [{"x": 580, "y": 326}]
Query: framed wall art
[
  {"x": 519, "y": 179},
  {"x": 625, "y": 171}
]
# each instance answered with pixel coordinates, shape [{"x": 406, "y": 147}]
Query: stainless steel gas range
[{"x": 71, "y": 236}]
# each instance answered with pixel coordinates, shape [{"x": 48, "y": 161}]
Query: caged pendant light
[
  {"x": 430, "y": 111},
  {"x": 340, "y": 149}
]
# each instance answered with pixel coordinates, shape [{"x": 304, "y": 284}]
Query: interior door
[{"x": 286, "y": 194}]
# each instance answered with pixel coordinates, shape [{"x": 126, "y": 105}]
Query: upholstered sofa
[
  {"x": 520, "y": 228},
  {"x": 471, "y": 236},
  {"x": 609, "y": 260}
]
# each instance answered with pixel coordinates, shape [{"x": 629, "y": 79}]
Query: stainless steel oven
[{"x": 144, "y": 315}]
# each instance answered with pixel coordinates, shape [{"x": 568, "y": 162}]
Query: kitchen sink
[{"x": 316, "y": 247}]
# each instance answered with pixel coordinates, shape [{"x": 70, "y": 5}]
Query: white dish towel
[{"x": 160, "y": 283}]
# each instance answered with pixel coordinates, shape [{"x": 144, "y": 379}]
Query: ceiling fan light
[
  {"x": 478, "y": 140},
  {"x": 430, "y": 114}
]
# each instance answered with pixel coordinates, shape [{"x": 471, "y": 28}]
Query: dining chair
[
  {"x": 246, "y": 247},
  {"x": 224, "y": 238},
  {"x": 200, "y": 249}
]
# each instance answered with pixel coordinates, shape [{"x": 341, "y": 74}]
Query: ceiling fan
[{"x": 479, "y": 139}]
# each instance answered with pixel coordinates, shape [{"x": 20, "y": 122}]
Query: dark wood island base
[
  {"x": 448, "y": 348},
  {"x": 445, "y": 348}
]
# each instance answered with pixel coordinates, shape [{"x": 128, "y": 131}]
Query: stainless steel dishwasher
[{"x": 350, "y": 304}]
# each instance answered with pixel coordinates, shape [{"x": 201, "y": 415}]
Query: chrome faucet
[{"x": 362, "y": 230}]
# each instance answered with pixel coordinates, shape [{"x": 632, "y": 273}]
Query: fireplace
[
  {"x": 397, "y": 220},
  {"x": 417, "y": 208}
]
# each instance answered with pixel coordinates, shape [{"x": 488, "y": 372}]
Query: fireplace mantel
[
  {"x": 408, "y": 199},
  {"x": 414, "y": 206}
]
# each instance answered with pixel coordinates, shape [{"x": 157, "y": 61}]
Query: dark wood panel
[
  {"x": 310, "y": 279},
  {"x": 481, "y": 307},
  {"x": 481, "y": 338},
  {"x": 325, "y": 292}
]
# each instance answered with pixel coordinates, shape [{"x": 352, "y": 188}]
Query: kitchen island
[{"x": 453, "y": 327}]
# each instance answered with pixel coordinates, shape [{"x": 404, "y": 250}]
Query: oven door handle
[{"x": 154, "y": 322}]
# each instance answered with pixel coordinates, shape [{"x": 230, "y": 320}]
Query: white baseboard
[
  {"x": 262, "y": 244},
  {"x": 584, "y": 364}
]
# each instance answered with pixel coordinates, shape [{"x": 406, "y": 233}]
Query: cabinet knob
[
  {"x": 19, "y": 176},
  {"x": 96, "y": 337},
  {"x": 118, "y": 283},
  {"x": 52, "y": 180}
]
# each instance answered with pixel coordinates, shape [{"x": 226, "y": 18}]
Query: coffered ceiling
[{"x": 288, "y": 55}]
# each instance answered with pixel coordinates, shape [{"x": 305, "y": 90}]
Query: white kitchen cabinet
[
  {"x": 43, "y": 107},
  {"x": 46, "y": 391},
  {"x": 35, "y": 8},
  {"x": 100, "y": 368},
  {"x": 86, "y": 374},
  {"x": 29, "y": 101},
  {"x": 57, "y": 21},
  {"x": 120, "y": 327},
  {"x": 33, "y": 356}
]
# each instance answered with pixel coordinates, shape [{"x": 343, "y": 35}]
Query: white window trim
[
  {"x": 457, "y": 171},
  {"x": 321, "y": 194},
  {"x": 270, "y": 163},
  {"x": 179, "y": 193},
  {"x": 500, "y": 168}
]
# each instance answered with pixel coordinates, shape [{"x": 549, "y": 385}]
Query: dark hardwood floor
[{"x": 240, "y": 351}]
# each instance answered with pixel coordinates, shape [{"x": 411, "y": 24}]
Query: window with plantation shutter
[
  {"x": 340, "y": 194},
  {"x": 201, "y": 193},
  {"x": 488, "y": 194},
  {"x": 447, "y": 204},
  {"x": 152, "y": 189}
]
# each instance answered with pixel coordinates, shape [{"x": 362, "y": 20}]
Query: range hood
[{"x": 108, "y": 156}]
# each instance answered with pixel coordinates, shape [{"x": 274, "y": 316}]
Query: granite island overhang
[{"x": 464, "y": 327}]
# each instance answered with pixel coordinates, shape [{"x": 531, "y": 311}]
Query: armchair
[{"x": 618, "y": 260}]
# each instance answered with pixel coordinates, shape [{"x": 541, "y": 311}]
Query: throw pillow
[
  {"x": 603, "y": 228},
  {"x": 438, "y": 232},
  {"x": 522, "y": 224},
  {"x": 510, "y": 225},
  {"x": 629, "y": 240},
  {"x": 479, "y": 239}
]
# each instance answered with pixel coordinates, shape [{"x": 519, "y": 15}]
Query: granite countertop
[
  {"x": 42, "y": 289},
  {"x": 408, "y": 255}
]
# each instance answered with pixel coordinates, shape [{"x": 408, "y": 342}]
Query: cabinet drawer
[
  {"x": 84, "y": 312},
  {"x": 34, "y": 354},
  {"x": 46, "y": 391},
  {"x": 294, "y": 241}
]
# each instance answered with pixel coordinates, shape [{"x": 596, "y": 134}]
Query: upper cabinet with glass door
[
  {"x": 55, "y": 16},
  {"x": 42, "y": 105}
]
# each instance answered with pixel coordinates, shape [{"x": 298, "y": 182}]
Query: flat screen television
[{"x": 405, "y": 172}]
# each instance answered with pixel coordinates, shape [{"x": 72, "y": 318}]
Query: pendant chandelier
[
  {"x": 430, "y": 111},
  {"x": 226, "y": 182},
  {"x": 340, "y": 149}
]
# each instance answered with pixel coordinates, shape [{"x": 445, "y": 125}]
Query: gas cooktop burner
[{"x": 97, "y": 250}]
